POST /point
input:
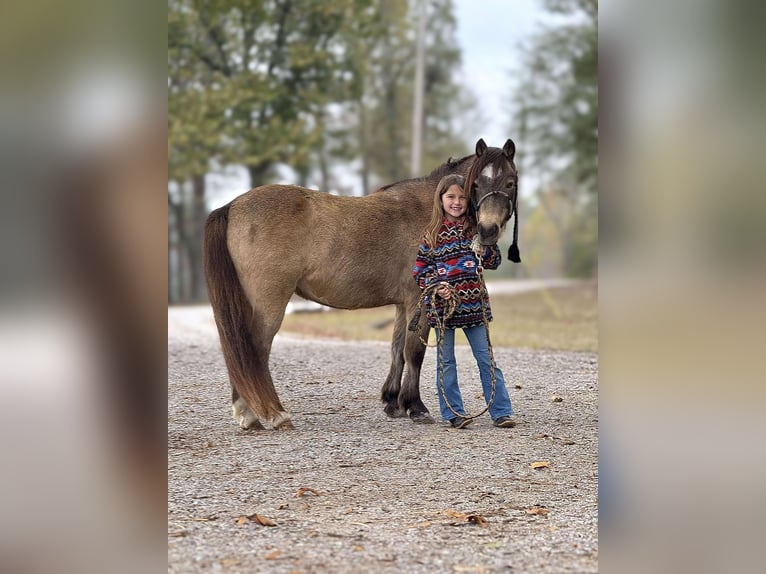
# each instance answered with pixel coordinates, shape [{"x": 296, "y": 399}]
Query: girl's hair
[{"x": 437, "y": 213}]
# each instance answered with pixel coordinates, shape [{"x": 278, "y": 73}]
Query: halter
[{"x": 495, "y": 192}]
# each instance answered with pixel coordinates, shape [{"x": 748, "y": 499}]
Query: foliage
[
  {"x": 558, "y": 98},
  {"x": 253, "y": 78},
  {"x": 557, "y": 110}
]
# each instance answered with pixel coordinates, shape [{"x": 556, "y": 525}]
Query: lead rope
[{"x": 440, "y": 319}]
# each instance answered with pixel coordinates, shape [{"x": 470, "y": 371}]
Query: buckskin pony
[{"x": 344, "y": 252}]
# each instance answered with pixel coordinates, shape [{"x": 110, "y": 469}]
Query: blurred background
[
  {"x": 347, "y": 96},
  {"x": 92, "y": 255}
]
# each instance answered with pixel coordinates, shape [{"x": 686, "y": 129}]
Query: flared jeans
[{"x": 477, "y": 339}]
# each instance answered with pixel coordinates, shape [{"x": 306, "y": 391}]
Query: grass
[{"x": 564, "y": 318}]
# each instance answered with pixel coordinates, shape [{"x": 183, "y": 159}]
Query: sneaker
[
  {"x": 460, "y": 422},
  {"x": 504, "y": 422}
]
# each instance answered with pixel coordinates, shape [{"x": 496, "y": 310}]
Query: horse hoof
[
  {"x": 248, "y": 423},
  {"x": 245, "y": 417},
  {"x": 422, "y": 418},
  {"x": 282, "y": 422},
  {"x": 395, "y": 412}
]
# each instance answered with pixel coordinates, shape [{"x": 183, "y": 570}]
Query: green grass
[{"x": 564, "y": 318}]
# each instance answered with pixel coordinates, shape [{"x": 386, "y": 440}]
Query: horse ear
[
  {"x": 509, "y": 149},
  {"x": 481, "y": 147}
]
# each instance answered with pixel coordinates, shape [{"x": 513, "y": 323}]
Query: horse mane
[{"x": 450, "y": 166}]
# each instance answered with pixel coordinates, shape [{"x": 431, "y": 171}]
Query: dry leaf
[
  {"x": 476, "y": 519},
  {"x": 538, "y": 510},
  {"x": 359, "y": 548},
  {"x": 262, "y": 520},
  {"x": 452, "y": 513},
  {"x": 273, "y": 555},
  {"x": 231, "y": 562},
  {"x": 540, "y": 464},
  {"x": 304, "y": 490},
  {"x": 178, "y": 533},
  {"x": 257, "y": 518},
  {"x": 541, "y": 435}
]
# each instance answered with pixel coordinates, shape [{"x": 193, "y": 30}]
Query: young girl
[{"x": 445, "y": 256}]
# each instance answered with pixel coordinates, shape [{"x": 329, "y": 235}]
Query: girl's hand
[{"x": 444, "y": 293}]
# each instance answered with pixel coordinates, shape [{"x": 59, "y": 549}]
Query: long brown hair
[{"x": 431, "y": 233}]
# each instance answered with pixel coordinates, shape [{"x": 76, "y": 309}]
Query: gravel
[{"x": 349, "y": 490}]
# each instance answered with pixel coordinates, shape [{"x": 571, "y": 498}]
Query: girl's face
[{"x": 454, "y": 202}]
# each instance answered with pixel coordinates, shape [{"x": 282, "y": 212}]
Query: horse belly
[{"x": 344, "y": 288}]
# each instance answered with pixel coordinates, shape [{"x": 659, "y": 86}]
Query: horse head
[{"x": 492, "y": 184}]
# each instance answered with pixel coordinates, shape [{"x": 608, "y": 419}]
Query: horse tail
[{"x": 234, "y": 317}]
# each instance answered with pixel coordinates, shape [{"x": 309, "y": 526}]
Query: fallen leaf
[
  {"x": 304, "y": 490},
  {"x": 359, "y": 548},
  {"x": 257, "y": 518},
  {"x": 476, "y": 519},
  {"x": 178, "y": 533},
  {"x": 541, "y": 435},
  {"x": 273, "y": 555},
  {"x": 425, "y": 524},
  {"x": 540, "y": 464},
  {"x": 452, "y": 513},
  {"x": 231, "y": 562},
  {"x": 262, "y": 520},
  {"x": 538, "y": 510}
]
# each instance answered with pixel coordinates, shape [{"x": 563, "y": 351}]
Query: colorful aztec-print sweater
[{"x": 452, "y": 260}]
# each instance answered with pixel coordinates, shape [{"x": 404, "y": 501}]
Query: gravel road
[{"x": 350, "y": 490}]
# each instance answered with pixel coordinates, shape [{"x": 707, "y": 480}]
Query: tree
[
  {"x": 557, "y": 113},
  {"x": 249, "y": 83},
  {"x": 389, "y": 89}
]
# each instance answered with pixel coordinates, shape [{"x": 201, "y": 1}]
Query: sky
[{"x": 490, "y": 33}]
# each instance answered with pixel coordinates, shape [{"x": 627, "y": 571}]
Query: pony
[{"x": 344, "y": 252}]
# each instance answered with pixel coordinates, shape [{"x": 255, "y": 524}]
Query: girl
[{"x": 445, "y": 256}]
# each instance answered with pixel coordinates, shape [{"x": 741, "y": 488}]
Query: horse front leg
[
  {"x": 409, "y": 396},
  {"x": 393, "y": 384}
]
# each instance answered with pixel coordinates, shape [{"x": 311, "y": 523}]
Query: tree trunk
[
  {"x": 197, "y": 215},
  {"x": 363, "y": 147},
  {"x": 258, "y": 174}
]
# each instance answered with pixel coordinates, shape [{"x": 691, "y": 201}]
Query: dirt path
[{"x": 386, "y": 495}]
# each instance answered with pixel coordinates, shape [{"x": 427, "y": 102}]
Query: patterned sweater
[{"x": 452, "y": 260}]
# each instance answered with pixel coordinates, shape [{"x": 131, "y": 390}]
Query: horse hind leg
[
  {"x": 393, "y": 383},
  {"x": 245, "y": 330},
  {"x": 267, "y": 406}
]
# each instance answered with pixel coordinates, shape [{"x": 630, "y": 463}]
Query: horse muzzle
[{"x": 488, "y": 234}]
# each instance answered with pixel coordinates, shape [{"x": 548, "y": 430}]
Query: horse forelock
[{"x": 493, "y": 165}]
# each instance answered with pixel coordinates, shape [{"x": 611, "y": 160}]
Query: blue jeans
[{"x": 477, "y": 338}]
